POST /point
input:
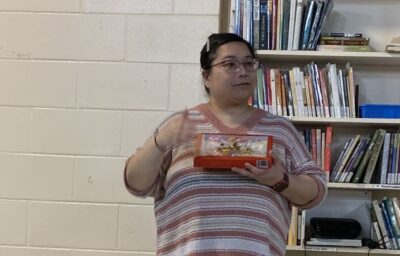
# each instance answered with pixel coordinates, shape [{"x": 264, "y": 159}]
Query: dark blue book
[
  {"x": 285, "y": 24},
  {"x": 328, "y": 6},
  {"x": 263, "y": 24},
  {"x": 317, "y": 17},
  {"x": 309, "y": 18}
]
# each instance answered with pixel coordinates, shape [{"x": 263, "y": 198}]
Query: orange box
[{"x": 216, "y": 150}]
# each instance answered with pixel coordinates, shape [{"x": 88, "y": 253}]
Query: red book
[
  {"x": 328, "y": 142},
  {"x": 216, "y": 150}
]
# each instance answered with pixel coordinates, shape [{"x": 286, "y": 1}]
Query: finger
[
  {"x": 255, "y": 170},
  {"x": 243, "y": 172},
  {"x": 275, "y": 158}
]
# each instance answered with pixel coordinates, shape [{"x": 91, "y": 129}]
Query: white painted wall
[{"x": 82, "y": 84}]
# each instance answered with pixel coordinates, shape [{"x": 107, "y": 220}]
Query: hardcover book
[{"x": 229, "y": 150}]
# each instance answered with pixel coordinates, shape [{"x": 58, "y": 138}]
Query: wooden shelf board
[
  {"x": 345, "y": 121},
  {"x": 363, "y": 186},
  {"x": 365, "y": 58}
]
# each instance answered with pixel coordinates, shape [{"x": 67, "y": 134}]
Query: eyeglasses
[{"x": 233, "y": 66}]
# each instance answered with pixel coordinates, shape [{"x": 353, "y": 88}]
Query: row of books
[
  {"x": 297, "y": 227},
  {"x": 375, "y": 159},
  {"x": 386, "y": 222},
  {"x": 279, "y": 24},
  {"x": 312, "y": 91},
  {"x": 318, "y": 142},
  {"x": 394, "y": 45}
]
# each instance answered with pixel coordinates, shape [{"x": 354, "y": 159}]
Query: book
[
  {"x": 292, "y": 19},
  {"x": 328, "y": 145},
  {"x": 378, "y": 214},
  {"x": 343, "y": 40},
  {"x": 384, "y": 160},
  {"x": 292, "y": 235},
  {"x": 309, "y": 18},
  {"x": 394, "y": 45},
  {"x": 389, "y": 227},
  {"x": 285, "y": 24},
  {"x": 216, "y": 150},
  {"x": 297, "y": 24},
  {"x": 263, "y": 24},
  {"x": 346, "y": 157},
  {"x": 388, "y": 204},
  {"x": 344, "y": 34},
  {"x": 334, "y": 242},
  {"x": 256, "y": 24},
  {"x": 313, "y": 30},
  {"x": 365, "y": 158},
  {"x": 363, "y": 146},
  {"x": 327, "y": 9},
  {"x": 374, "y": 156},
  {"x": 343, "y": 48}
]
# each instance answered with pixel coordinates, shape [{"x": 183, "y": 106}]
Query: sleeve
[{"x": 301, "y": 163}]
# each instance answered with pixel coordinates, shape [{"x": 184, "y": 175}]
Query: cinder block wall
[{"x": 82, "y": 84}]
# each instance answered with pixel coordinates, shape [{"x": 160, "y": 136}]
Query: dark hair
[{"x": 209, "y": 53}]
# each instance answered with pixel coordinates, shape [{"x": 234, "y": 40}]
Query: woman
[{"x": 242, "y": 211}]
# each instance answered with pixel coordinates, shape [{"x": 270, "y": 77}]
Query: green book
[
  {"x": 376, "y": 150},
  {"x": 364, "y": 160}
]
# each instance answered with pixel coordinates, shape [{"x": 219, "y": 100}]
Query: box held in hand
[{"x": 216, "y": 150}]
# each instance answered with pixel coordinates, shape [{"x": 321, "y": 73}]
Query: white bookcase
[{"x": 378, "y": 76}]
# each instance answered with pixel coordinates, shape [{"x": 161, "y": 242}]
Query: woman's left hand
[{"x": 268, "y": 176}]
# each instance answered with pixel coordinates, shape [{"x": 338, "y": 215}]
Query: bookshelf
[{"x": 378, "y": 76}]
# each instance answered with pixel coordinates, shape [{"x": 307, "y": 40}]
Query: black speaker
[{"x": 334, "y": 228}]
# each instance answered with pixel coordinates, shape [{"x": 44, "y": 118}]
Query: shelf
[
  {"x": 294, "y": 248},
  {"x": 352, "y": 186},
  {"x": 379, "y": 122},
  {"x": 366, "y": 58},
  {"x": 350, "y": 250}
]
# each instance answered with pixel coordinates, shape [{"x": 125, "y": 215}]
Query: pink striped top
[{"x": 210, "y": 212}]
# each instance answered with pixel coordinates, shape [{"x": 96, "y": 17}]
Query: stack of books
[
  {"x": 394, "y": 45},
  {"x": 344, "y": 42}
]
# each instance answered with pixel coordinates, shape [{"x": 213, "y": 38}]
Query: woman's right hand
[{"x": 177, "y": 130}]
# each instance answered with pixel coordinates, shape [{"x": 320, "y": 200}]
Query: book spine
[
  {"x": 294, "y": 92},
  {"x": 385, "y": 158},
  {"x": 328, "y": 6},
  {"x": 263, "y": 24},
  {"x": 374, "y": 156},
  {"x": 297, "y": 25},
  {"x": 285, "y": 24},
  {"x": 314, "y": 25},
  {"x": 392, "y": 217},
  {"x": 363, "y": 148},
  {"x": 381, "y": 222},
  {"x": 391, "y": 173},
  {"x": 328, "y": 145},
  {"x": 388, "y": 225},
  {"x": 310, "y": 11},
  {"x": 256, "y": 24},
  {"x": 273, "y": 91},
  {"x": 332, "y": 76},
  {"x": 360, "y": 169},
  {"x": 291, "y": 24}
]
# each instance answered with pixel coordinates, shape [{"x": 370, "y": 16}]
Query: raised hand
[{"x": 177, "y": 130}]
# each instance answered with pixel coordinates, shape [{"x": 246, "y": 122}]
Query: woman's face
[{"x": 228, "y": 85}]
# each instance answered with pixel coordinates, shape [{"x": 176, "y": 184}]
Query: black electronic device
[{"x": 335, "y": 228}]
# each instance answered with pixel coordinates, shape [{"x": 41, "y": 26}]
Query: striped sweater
[{"x": 210, "y": 212}]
